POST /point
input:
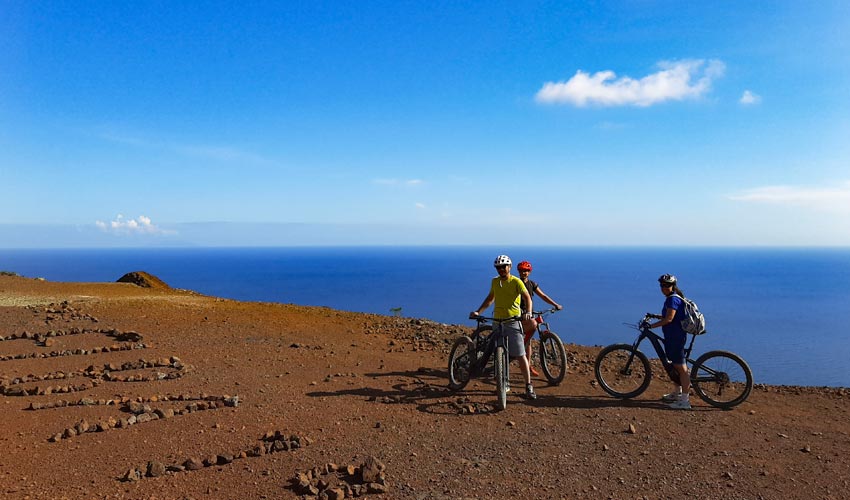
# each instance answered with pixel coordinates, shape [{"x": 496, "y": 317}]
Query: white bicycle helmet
[
  {"x": 502, "y": 260},
  {"x": 667, "y": 279}
]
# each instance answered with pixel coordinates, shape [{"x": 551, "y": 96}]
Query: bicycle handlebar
[
  {"x": 481, "y": 319},
  {"x": 547, "y": 311}
]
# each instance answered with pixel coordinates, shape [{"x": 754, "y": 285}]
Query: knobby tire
[
  {"x": 461, "y": 358},
  {"x": 618, "y": 379},
  {"x": 502, "y": 376},
  {"x": 721, "y": 379},
  {"x": 553, "y": 358}
]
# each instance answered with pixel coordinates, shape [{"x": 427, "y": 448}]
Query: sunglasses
[
  {"x": 666, "y": 286},
  {"x": 503, "y": 266}
]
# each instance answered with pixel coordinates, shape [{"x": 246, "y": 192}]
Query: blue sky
[{"x": 290, "y": 123}]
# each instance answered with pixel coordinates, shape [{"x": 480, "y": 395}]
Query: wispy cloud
[
  {"x": 749, "y": 98},
  {"x": 675, "y": 81},
  {"x": 831, "y": 198},
  {"x": 398, "y": 182},
  {"x": 420, "y": 206},
  {"x": 140, "y": 225},
  {"x": 218, "y": 153}
]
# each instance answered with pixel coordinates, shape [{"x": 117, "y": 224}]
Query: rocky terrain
[{"x": 138, "y": 390}]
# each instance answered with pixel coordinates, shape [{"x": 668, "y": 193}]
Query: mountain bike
[
  {"x": 553, "y": 356},
  {"x": 720, "y": 378},
  {"x": 470, "y": 355}
]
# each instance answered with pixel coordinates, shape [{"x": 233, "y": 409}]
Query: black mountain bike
[
  {"x": 553, "y": 356},
  {"x": 469, "y": 356},
  {"x": 720, "y": 378}
]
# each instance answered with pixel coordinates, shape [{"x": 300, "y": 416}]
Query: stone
[
  {"x": 155, "y": 469},
  {"x": 193, "y": 464},
  {"x": 164, "y": 413},
  {"x": 131, "y": 475},
  {"x": 210, "y": 461},
  {"x": 371, "y": 470},
  {"x": 632, "y": 429},
  {"x": 335, "y": 493},
  {"x": 376, "y": 488},
  {"x": 82, "y": 427},
  {"x": 224, "y": 459}
]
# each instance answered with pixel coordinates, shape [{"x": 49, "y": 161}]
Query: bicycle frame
[
  {"x": 542, "y": 327},
  {"x": 494, "y": 340},
  {"x": 657, "y": 344}
]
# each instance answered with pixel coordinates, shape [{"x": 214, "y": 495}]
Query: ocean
[{"x": 785, "y": 311}]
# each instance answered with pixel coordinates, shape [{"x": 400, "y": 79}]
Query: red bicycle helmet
[{"x": 524, "y": 266}]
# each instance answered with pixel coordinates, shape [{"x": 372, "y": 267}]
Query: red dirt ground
[{"x": 359, "y": 385}]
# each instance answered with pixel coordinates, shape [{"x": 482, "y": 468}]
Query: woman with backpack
[{"x": 674, "y": 340}]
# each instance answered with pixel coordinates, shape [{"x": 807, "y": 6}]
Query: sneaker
[
  {"x": 529, "y": 392},
  {"x": 534, "y": 373},
  {"x": 680, "y": 404},
  {"x": 671, "y": 398}
]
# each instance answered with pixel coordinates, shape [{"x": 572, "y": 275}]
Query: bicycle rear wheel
[
  {"x": 721, "y": 379},
  {"x": 622, "y": 371},
  {"x": 502, "y": 376},
  {"x": 461, "y": 359},
  {"x": 553, "y": 358}
]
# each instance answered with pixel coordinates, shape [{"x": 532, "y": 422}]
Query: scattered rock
[
  {"x": 372, "y": 470},
  {"x": 155, "y": 469},
  {"x": 193, "y": 464},
  {"x": 131, "y": 475}
]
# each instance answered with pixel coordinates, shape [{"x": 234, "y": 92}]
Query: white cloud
[
  {"x": 834, "y": 198},
  {"x": 420, "y": 206},
  {"x": 398, "y": 182},
  {"x": 140, "y": 225},
  {"x": 749, "y": 98},
  {"x": 676, "y": 80}
]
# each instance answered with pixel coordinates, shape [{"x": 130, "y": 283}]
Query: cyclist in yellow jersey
[{"x": 507, "y": 292}]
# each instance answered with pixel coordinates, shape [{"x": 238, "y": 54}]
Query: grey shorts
[{"x": 516, "y": 340}]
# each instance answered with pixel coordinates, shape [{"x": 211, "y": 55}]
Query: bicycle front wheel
[
  {"x": 502, "y": 376},
  {"x": 622, "y": 371},
  {"x": 461, "y": 358},
  {"x": 553, "y": 358},
  {"x": 721, "y": 379}
]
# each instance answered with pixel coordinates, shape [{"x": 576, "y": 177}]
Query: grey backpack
[{"x": 693, "y": 321}]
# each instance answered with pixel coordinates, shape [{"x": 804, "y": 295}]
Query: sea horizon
[{"x": 764, "y": 303}]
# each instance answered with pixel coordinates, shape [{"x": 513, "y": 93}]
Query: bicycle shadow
[
  {"x": 426, "y": 389},
  {"x": 600, "y": 402}
]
